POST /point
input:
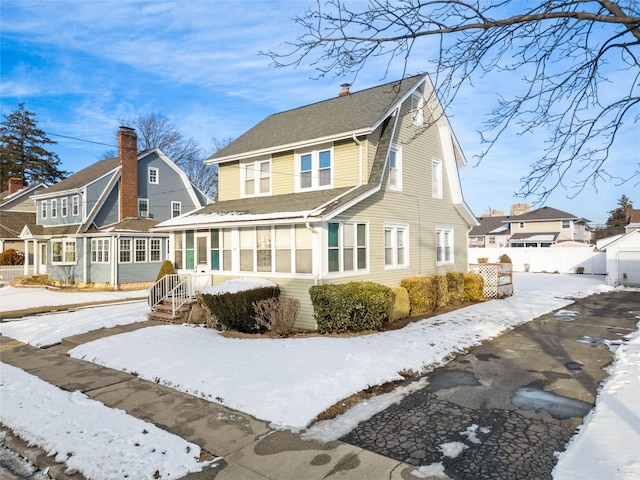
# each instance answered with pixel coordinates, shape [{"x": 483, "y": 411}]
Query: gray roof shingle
[{"x": 84, "y": 176}]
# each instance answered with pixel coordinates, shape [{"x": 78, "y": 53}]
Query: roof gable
[
  {"x": 340, "y": 116},
  {"x": 545, "y": 213}
]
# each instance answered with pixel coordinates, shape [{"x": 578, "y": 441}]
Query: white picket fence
[{"x": 551, "y": 260}]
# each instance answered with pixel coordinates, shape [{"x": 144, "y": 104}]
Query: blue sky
[{"x": 80, "y": 66}]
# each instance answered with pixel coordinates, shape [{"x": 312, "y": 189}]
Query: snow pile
[
  {"x": 236, "y": 285},
  {"x": 98, "y": 441},
  {"x": 44, "y": 330}
]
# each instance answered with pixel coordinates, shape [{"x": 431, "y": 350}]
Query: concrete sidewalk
[{"x": 249, "y": 448}]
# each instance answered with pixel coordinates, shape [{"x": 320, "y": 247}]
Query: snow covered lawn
[{"x": 98, "y": 441}]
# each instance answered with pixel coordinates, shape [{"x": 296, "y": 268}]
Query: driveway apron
[{"x": 503, "y": 410}]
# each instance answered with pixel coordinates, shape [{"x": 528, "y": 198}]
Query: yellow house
[{"x": 363, "y": 186}]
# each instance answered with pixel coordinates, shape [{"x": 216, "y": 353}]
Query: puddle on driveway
[
  {"x": 559, "y": 407},
  {"x": 565, "y": 315},
  {"x": 444, "y": 379},
  {"x": 575, "y": 366}
]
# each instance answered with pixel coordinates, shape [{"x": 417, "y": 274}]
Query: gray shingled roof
[
  {"x": 353, "y": 112},
  {"x": 84, "y": 176},
  {"x": 546, "y": 213},
  {"x": 488, "y": 225},
  {"x": 12, "y": 223}
]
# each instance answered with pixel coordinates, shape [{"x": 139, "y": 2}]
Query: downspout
[
  {"x": 359, "y": 143},
  {"x": 114, "y": 262}
]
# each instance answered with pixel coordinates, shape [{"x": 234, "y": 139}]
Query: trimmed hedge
[
  {"x": 422, "y": 294},
  {"x": 350, "y": 307},
  {"x": 473, "y": 287},
  {"x": 235, "y": 311},
  {"x": 442, "y": 291},
  {"x": 400, "y": 305},
  {"x": 455, "y": 284},
  {"x": 165, "y": 269}
]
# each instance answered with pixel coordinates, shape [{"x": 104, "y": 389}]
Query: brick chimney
[
  {"x": 128, "y": 159},
  {"x": 15, "y": 184},
  {"x": 345, "y": 90}
]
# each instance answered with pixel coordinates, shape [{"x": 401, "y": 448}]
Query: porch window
[
  {"x": 226, "y": 249},
  {"x": 395, "y": 168},
  {"x": 154, "y": 250},
  {"x": 64, "y": 207},
  {"x": 140, "y": 250},
  {"x": 246, "y": 249},
  {"x": 347, "y": 247},
  {"x": 63, "y": 251},
  {"x": 100, "y": 250},
  {"x": 215, "y": 249},
  {"x": 444, "y": 246},
  {"x": 263, "y": 249},
  {"x": 283, "y": 249},
  {"x": 395, "y": 246},
  {"x": 304, "y": 250},
  {"x": 75, "y": 205},
  {"x": 257, "y": 178},
  {"x": 315, "y": 169},
  {"x": 189, "y": 251},
  {"x": 178, "y": 249},
  {"x": 125, "y": 250}
]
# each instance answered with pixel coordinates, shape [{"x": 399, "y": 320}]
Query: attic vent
[{"x": 345, "y": 89}]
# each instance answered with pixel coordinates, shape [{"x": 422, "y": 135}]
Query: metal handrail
[{"x": 179, "y": 287}]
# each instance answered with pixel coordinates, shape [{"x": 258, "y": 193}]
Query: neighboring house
[
  {"x": 632, "y": 219},
  {"x": 94, "y": 227},
  {"x": 17, "y": 209},
  {"x": 363, "y": 186},
  {"x": 623, "y": 259},
  {"x": 492, "y": 232}
]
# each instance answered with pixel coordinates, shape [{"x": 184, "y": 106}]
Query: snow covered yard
[{"x": 289, "y": 381}]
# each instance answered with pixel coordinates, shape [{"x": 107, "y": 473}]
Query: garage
[{"x": 623, "y": 260}]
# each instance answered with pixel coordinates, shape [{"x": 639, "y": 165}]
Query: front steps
[{"x": 162, "y": 312}]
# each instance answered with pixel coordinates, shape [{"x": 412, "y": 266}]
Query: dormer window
[
  {"x": 153, "y": 175},
  {"x": 256, "y": 178},
  {"x": 315, "y": 169}
]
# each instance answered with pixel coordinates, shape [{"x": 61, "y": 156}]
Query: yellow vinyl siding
[
  {"x": 346, "y": 162},
  {"x": 282, "y": 173},
  {"x": 228, "y": 181}
]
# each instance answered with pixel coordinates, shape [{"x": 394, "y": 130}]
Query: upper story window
[
  {"x": 566, "y": 223},
  {"x": 256, "y": 178},
  {"x": 176, "y": 209},
  {"x": 436, "y": 178},
  {"x": 521, "y": 224},
  {"x": 64, "y": 206},
  {"x": 54, "y": 208},
  {"x": 154, "y": 175},
  {"x": 417, "y": 109},
  {"x": 43, "y": 209},
  {"x": 444, "y": 246},
  {"x": 395, "y": 168},
  {"x": 315, "y": 169},
  {"x": 75, "y": 205},
  {"x": 143, "y": 207}
]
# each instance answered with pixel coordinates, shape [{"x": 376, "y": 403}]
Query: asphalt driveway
[{"x": 502, "y": 410}]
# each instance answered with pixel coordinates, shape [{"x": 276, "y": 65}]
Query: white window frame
[
  {"x": 566, "y": 224},
  {"x": 54, "y": 208},
  {"x": 100, "y": 248},
  {"x": 444, "y": 241},
  {"x": 395, "y": 248},
  {"x": 128, "y": 250},
  {"x": 252, "y": 171},
  {"x": 144, "y": 213},
  {"x": 176, "y": 207},
  {"x": 395, "y": 152},
  {"x": 66, "y": 250},
  {"x": 315, "y": 168},
  {"x": 436, "y": 178},
  {"x": 154, "y": 175},
  {"x": 136, "y": 250},
  {"x": 64, "y": 207},
  {"x": 43, "y": 210},
  {"x": 75, "y": 205},
  {"x": 155, "y": 245},
  {"x": 340, "y": 248},
  {"x": 417, "y": 109}
]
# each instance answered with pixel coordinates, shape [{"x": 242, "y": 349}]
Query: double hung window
[
  {"x": 63, "y": 251},
  {"x": 100, "y": 250},
  {"x": 64, "y": 207},
  {"x": 395, "y": 168},
  {"x": 347, "y": 247},
  {"x": 395, "y": 246},
  {"x": 315, "y": 169},
  {"x": 436, "y": 178},
  {"x": 257, "y": 178},
  {"x": 444, "y": 246}
]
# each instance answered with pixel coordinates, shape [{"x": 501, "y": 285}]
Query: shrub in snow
[
  {"x": 442, "y": 291},
  {"x": 422, "y": 294},
  {"x": 400, "y": 306},
  {"x": 11, "y": 257},
  {"x": 455, "y": 284},
  {"x": 504, "y": 258},
  {"x": 350, "y": 307},
  {"x": 473, "y": 287},
  {"x": 234, "y": 308},
  {"x": 277, "y": 314},
  {"x": 165, "y": 269}
]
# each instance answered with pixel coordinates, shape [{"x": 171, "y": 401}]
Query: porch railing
[{"x": 179, "y": 287}]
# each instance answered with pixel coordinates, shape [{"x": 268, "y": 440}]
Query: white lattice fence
[{"x": 498, "y": 278}]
